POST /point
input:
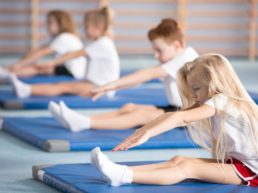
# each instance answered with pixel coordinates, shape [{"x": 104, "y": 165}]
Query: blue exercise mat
[
  {"x": 49, "y": 135},
  {"x": 83, "y": 178},
  {"x": 139, "y": 95},
  {"x": 47, "y": 79},
  {"x": 42, "y": 79},
  {"x": 254, "y": 96},
  {"x": 62, "y": 78}
]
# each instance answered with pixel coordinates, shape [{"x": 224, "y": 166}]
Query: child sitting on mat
[
  {"x": 168, "y": 44},
  {"x": 64, "y": 39},
  {"x": 103, "y": 64},
  {"x": 220, "y": 116}
]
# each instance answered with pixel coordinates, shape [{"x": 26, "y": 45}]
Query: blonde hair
[
  {"x": 102, "y": 16},
  {"x": 215, "y": 71},
  {"x": 169, "y": 30},
  {"x": 64, "y": 21}
]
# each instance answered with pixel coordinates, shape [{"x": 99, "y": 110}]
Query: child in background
[
  {"x": 168, "y": 44},
  {"x": 220, "y": 116},
  {"x": 63, "y": 40},
  {"x": 102, "y": 61}
]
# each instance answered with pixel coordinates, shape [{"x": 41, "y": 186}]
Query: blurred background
[{"x": 225, "y": 26}]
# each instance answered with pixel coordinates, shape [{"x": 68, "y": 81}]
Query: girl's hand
[
  {"x": 86, "y": 94},
  {"x": 44, "y": 65},
  {"x": 97, "y": 96},
  {"x": 98, "y": 92},
  {"x": 139, "y": 137},
  {"x": 14, "y": 67}
]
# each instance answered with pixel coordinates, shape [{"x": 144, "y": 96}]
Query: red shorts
[{"x": 249, "y": 178}]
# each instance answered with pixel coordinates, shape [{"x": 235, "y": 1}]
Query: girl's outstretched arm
[
  {"x": 164, "y": 123},
  {"x": 32, "y": 57},
  {"x": 62, "y": 59},
  {"x": 130, "y": 80}
]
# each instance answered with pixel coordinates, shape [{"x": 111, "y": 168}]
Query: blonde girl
[
  {"x": 169, "y": 49},
  {"x": 64, "y": 39},
  {"x": 220, "y": 116},
  {"x": 102, "y": 61}
]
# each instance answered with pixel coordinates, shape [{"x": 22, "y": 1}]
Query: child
[
  {"x": 102, "y": 66},
  {"x": 224, "y": 121},
  {"x": 169, "y": 48},
  {"x": 64, "y": 39}
]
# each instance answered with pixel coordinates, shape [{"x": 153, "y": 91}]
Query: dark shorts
[
  {"x": 169, "y": 108},
  {"x": 62, "y": 70}
]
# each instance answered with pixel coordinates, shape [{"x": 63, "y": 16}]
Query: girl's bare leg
[
  {"x": 172, "y": 162},
  {"x": 187, "y": 168},
  {"x": 75, "y": 88},
  {"x": 127, "y": 108},
  {"x": 125, "y": 120}
]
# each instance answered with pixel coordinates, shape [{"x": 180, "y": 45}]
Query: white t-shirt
[
  {"x": 103, "y": 62},
  {"x": 68, "y": 42},
  {"x": 237, "y": 133},
  {"x": 171, "y": 67}
]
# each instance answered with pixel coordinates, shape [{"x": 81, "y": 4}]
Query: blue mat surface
[
  {"x": 254, "y": 96},
  {"x": 49, "y": 135},
  {"x": 139, "y": 95},
  {"x": 63, "y": 78},
  {"x": 47, "y": 79},
  {"x": 83, "y": 178}
]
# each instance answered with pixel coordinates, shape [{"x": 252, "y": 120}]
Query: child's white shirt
[
  {"x": 237, "y": 133},
  {"x": 171, "y": 67},
  {"x": 103, "y": 62},
  {"x": 68, "y": 42}
]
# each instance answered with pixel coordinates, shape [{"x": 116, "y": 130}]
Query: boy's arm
[{"x": 130, "y": 80}]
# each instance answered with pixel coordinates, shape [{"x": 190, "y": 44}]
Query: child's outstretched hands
[
  {"x": 98, "y": 92},
  {"x": 47, "y": 64},
  {"x": 139, "y": 137}
]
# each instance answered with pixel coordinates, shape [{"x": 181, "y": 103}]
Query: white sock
[
  {"x": 1, "y": 123},
  {"x": 75, "y": 121},
  {"x": 116, "y": 174},
  {"x": 4, "y": 74},
  {"x": 21, "y": 89},
  {"x": 56, "y": 113}
]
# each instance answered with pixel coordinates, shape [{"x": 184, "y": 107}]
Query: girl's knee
[
  {"x": 129, "y": 107},
  {"x": 177, "y": 160},
  {"x": 150, "y": 112},
  {"x": 185, "y": 164},
  {"x": 187, "y": 168}
]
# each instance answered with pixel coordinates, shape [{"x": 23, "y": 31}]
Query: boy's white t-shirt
[
  {"x": 68, "y": 42},
  {"x": 171, "y": 67},
  {"x": 103, "y": 62},
  {"x": 236, "y": 129}
]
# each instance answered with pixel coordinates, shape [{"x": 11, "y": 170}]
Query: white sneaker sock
[
  {"x": 1, "y": 123},
  {"x": 93, "y": 154},
  {"x": 75, "y": 121},
  {"x": 4, "y": 74},
  {"x": 56, "y": 113},
  {"x": 21, "y": 89},
  {"x": 116, "y": 174}
]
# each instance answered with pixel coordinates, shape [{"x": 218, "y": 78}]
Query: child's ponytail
[
  {"x": 108, "y": 14},
  {"x": 103, "y": 17}
]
